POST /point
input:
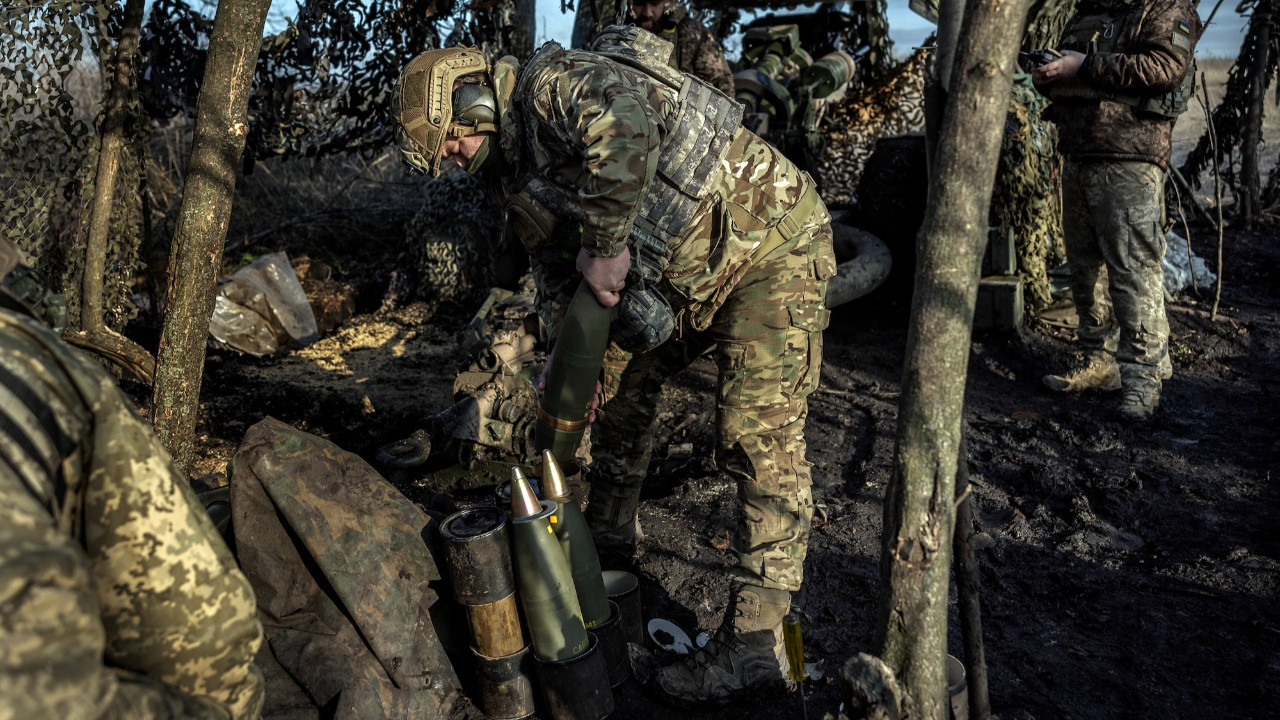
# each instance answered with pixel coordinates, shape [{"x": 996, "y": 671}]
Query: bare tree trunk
[
  {"x": 968, "y": 593},
  {"x": 122, "y": 87},
  {"x": 1251, "y": 187},
  {"x": 919, "y": 503},
  {"x": 524, "y": 28},
  {"x": 201, "y": 227}
]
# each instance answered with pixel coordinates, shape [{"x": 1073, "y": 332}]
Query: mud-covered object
[{"x": 337, "y": 558}]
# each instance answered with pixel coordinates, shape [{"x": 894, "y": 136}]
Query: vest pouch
[{"x": 1172, "y": 104}]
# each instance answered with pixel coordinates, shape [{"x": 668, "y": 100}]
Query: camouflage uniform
[
  {"x": 697, "y": 51},
  {"x": 746, "y": 278},
  {"x": 1116, "y": 158},
  {"x": 118, "y": 597}
]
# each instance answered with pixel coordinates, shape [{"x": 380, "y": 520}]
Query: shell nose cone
[
  {"x": 554, "y": 486},
  {"x": 524, "y": 503}
]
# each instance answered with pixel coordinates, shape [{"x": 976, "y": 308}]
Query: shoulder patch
[{"x": 1181, "y": 40}]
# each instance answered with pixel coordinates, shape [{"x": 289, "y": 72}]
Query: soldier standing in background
[
  {"x": 617, "y": 169},
  {"x": 119, "y": 598},
  {"x": 1124, "y": 76},
  {"x": 697, "y": 51}
]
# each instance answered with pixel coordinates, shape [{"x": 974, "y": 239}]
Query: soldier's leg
[
  {"x": 1084, "y": 185},
  {"x": 622, "y": 442},
  {"x": 1082, "y": 229},
  {"x": 769, "y": 352},
  {"x": 1136, "y": 279}
]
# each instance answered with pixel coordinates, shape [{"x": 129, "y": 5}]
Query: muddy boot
[
  {"x": 1098, "y": 371},
  {"x": 1140, "y": 400},
  {"x": 746, "y": 652}
]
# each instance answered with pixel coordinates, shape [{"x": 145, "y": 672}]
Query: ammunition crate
[
  {"x": 999, "y": 304},
  {"x": 1000, "y": 257}
]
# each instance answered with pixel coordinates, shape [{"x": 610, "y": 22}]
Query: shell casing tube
[
  {"x": 575, "y": 540},
  {"x": 476, "y": 549},
  {"x": 571, "y": 375},
  {"x": 495, "y": 627},
  {"x": 545, "y": 583},
  {"x": 793, "y": 642}
]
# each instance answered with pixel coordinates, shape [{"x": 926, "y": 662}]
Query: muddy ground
[{"x": 1128, "y": 571}]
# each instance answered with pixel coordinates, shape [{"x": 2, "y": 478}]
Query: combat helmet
[{"x": 442, "y": 94}]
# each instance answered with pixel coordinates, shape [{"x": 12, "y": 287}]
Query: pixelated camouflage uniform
[
  {"x": 746, "y": 278},
  {"x": 697, "y": 51},
  {"x": 1113, "y": 181},
  {"x": 119, "y": 598}
]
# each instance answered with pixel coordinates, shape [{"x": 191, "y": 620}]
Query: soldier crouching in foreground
[
  {"x": 119, "y": 598},
  {"x": 1124, "y": 77},
  {"x": 705, "y": 240}
]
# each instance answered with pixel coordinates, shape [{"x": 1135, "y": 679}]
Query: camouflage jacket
[
  {"x": 697, "y": 51},
  {"x": 593, "y": 127},
  {"x": 119, "y": 598},
  {"x": 1151, "y": 54}
]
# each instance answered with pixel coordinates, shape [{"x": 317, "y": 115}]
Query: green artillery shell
[
  {"x": 546, "y": 588},
  {"x": 571, "y": 376},
  {"x": 576, "y": 542}
]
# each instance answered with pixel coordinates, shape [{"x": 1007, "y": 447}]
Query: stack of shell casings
[{"x": 477, "y": 553}]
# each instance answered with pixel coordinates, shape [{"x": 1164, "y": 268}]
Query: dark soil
[{"x": 1128, "y": 571}]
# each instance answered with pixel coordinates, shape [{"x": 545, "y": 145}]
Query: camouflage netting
[
  {"x": 321, "y": 85},
  {"x": 1046, "y": 21},
  {"x": 1230, "y": 116},
  {"x": 1027, "y": 194},
  {"x": 892, "y": 106},
  {"x": 50, "y": 55},
  {"x": 454, "y": 238}
]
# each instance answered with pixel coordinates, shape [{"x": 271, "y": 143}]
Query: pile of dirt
[{"x": 1127, "y": 570}]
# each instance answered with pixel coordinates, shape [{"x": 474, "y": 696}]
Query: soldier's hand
[
  {"x": 1063, "y": 70},
  {"x": 606, "y": 276}
]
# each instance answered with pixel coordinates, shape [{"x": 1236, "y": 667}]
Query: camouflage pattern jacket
[
  {"x": 1152, "y": 52},
  {"x": 594, "y": 127},
  {"x": 697, "y": 51},
  {"x": 118, "y": 597}
]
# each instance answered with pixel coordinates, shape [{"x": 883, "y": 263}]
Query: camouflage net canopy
[
  {"x": 322, "y": 84},
  {"x": 1230, "y": 117},
  {"x": 892, "y": 106},
  {"x": 455, "y": 238},
  {"x": 50, "y": 89},
  {"x": 1026, "y": 200}
]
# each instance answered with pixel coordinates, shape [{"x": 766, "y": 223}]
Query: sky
[{"x": 908, "y": 30}]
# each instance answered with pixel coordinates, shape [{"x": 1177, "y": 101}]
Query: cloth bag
[{"x": 342, "y": 573}]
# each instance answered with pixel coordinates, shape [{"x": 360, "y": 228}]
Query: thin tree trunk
[
  {"x": 919, "y": 503},
  {"x": 122, "y": 88},
  {"x": 968, "y": 593},
  {"x": 201, "y": 227},
  {"x": 1251, "y": 190}
]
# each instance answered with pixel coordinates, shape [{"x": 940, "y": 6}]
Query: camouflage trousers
[
  {"x": 118, "y": 597},
  {"x": 766, "y": 341},
  {"x": 1113, "y": 212}
]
